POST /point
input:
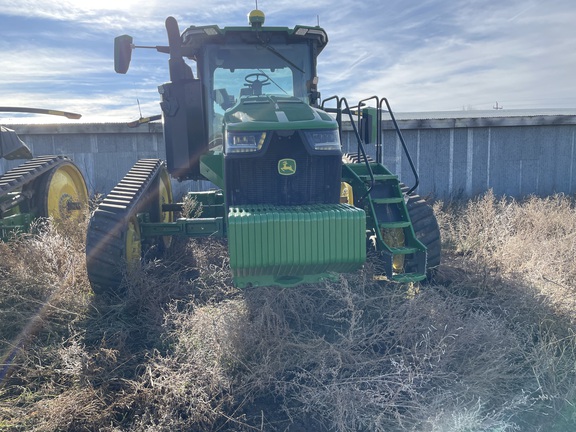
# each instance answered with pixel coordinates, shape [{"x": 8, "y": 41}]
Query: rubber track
[
  {"x": 106, "y": 236},
  {"x": 426, "y": 229},
  {"x": 352, "y": 158},
  {"x": 28, "y": 171}
]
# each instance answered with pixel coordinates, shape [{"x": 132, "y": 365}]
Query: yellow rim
[
  {"x": 133, "y": 242},
  {"x": 394, "y": 237},
  {"x": 165, "y": 197},
  {"x": 346, "y": 193},
  {"x": 67, "y": 195}
]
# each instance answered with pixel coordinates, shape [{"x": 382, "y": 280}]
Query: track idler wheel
[{"x": 60, "y": 193}]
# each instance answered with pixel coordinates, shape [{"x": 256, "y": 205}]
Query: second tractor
[{"x": 49, "y": 186}]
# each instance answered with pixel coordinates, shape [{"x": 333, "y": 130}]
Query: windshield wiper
[
  {"x": 277, "y": 54},
  {"x": 273, "y": 82}
]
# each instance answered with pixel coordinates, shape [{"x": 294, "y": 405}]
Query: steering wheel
[
  {"x": 253, "y": 81},
  {"x": 256, "y": 79}
]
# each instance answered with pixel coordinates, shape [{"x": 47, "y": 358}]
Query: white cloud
[
  {"x": 519, "y": 53},
  {"x": 31, "y": 63}
]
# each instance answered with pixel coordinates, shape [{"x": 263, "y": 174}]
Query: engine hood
[{"x": 275, "y": 112}]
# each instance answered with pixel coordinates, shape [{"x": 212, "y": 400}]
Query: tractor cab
[
  {"x": 234, "y": 62},
  {"x": 235, "y": 72}
]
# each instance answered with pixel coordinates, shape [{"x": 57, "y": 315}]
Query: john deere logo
[{"x": 286, "y": 166}]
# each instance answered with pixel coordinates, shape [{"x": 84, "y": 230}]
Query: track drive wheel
[{"x": 60, "y": 193}]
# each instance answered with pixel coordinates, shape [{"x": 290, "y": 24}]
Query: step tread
[
  {"x": 398, "y": 224},
  {"x": 382, "y": 177},
  {"x": 391, "y": 200},
  {"x": 403, "y": 250}
]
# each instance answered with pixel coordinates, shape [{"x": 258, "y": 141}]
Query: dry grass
[
  {"x": 533, "y": 241},
  {"x": 489, "y": 346}
]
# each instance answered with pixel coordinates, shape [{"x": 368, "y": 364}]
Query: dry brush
[{"x": 488, "y": 346}]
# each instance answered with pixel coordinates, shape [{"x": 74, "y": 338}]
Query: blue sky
[{"x": 424, "y": 55}]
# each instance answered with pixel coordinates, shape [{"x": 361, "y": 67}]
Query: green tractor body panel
[
  {"x": 14, "y": 224},
  {"x": 271, "y": 245},
  {"x": 212, "y": 168},
  {"x": 276, "y": 112}
]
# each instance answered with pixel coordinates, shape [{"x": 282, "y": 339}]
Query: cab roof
[{"x": 195, "y": 37}]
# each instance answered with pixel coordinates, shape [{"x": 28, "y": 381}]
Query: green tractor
[
  {"x": 293, "y": 208},
  {"x": 42, "y": 187}
]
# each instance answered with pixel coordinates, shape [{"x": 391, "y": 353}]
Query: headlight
[
  {"x": 243, "y": 142},
  {"x": 323, "y": 139}
]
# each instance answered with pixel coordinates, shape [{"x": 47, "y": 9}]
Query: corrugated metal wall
[
  {"x": 514, "y": 156},
  {"x": 455, "y": 156}
]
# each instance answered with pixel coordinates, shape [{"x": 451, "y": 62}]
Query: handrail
[
  {"x": 339, "y": 111},
  {"x": 361, "y": 153},
  {"x": 399, "y": 133},
  {"x": 360, "y": 149}
]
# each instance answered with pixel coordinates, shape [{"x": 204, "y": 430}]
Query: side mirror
[{"x": 122, "y": 53}]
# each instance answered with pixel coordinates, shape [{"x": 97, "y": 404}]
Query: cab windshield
[{"x": 235, "y": 71}]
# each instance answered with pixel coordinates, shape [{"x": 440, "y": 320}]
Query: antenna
[
  {"x": 256, "y": 4},
  {"x": 139, "y": 110},
  {"x": 318, "y": 20}
]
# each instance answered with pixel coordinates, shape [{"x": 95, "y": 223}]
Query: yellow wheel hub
[
  {"x": 394, "y": 237},
  {"x": 165, "y": 197},
  {"x": 346, "y": 193}
]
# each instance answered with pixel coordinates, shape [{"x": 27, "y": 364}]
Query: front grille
[{"x": 256, "y": 180}]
